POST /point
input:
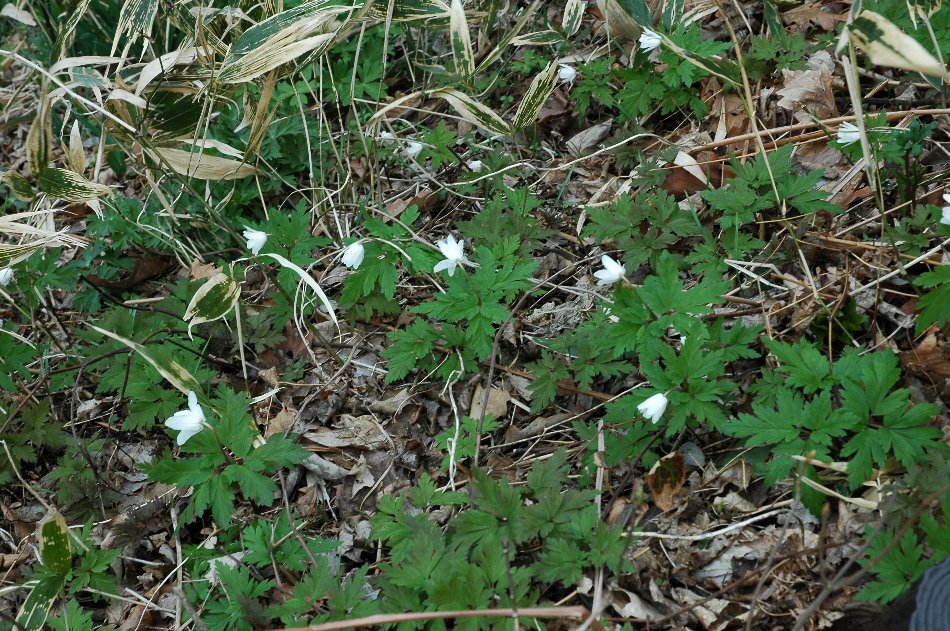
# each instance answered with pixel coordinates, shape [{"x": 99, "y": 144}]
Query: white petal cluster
[
  {"x": 944, "y": 219},
  {"x": 386, "y": 138},
  {"x": 650, "y": 40},
  {"x": 654, "y": 407},
  {"x": 454, "y": 253},
  {"x": 6, "y": 275},
  {"x": 475, "y": 166},
  {"x": 187, "y": 422},
  {"x": 353, "y": 254},
  {"x": 255, "y": 240},
  {"x": 611, "y": 273}
]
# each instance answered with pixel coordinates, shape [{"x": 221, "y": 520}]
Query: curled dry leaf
[{"x": 666, "y": 480}]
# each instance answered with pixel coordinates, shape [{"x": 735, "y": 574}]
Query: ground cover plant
[{"x": 425, "y": 314}]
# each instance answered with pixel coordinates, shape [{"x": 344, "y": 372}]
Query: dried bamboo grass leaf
[
  {"x": 39, "y": 138},
  {"x": 69, "y": 63},
  {"x": 162, "y": 64},
  {"x": 19, "y": 15},
  {"x": 76, "y": 156},
  {"x": 537, "y": 38},
  {"x": 68, "y": 27},
  {"x": 201, "y": 166}
]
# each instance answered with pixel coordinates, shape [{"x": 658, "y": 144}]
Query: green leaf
[{"x": 43, "y": 593}]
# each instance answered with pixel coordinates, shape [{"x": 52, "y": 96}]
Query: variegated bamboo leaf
[
  {"x": 502, "y": 46},
  {"x": 276, "y": 53},
  {"x": 68, "y": 27},
  {"x": 39, "y": 138},
  {"x": 886, "y": 45},
  {"x": 537, "y": 38},
  {"x": 35, "y": 609},
  {"x": 409, "y": 10},
  {"x": 68, "y": 186},
  {"x": 76, "y": 156},
  {"x": 624, "y": 17},
  {"x": 135, "y": 18},
  {"x": 573, "y": 15},
  {"x": 19, "y": 185},
  {"x": 923, "y": 9},
  {"x": 308, "y": 279},
  {"x": 474, "y": 112},
  {"x": 213, "y": 300},
  {"x": 10, "y": 254},
  {"x": 461, "y": 40},
  {"x": 201, "y": 165},
  {"x": 538, "y": 92},
  {"x": 55, "y": 551},
  {"x": 172, "y": 371}
]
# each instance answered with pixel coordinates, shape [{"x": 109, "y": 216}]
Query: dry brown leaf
[
  {"x": 497, "y": 402},
  {"x": 928, "y": 359},
  {"x": 280, "y": 423},
  {"x": 666, "y": 480},
  {"x": 202, "y": 271},
  {"x": 808, "y": 93}
]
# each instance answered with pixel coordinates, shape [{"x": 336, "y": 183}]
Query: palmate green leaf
[
  {"x": 934, "y": 306},
  {"x": 805, "y": 366}
]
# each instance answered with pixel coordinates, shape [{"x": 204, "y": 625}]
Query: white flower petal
[
  {"x": 255, "y": 240},
  {"x": 848, "y": 133},
  {"x": 6, "y": 275},
  {"x": 353, "y": 255},
  {"x": 652, "y": 409},
  {"x": 945, "y": 218},
  {"x": 650, "y": 40},
  {"x": 946, "y": 198},
  {"x": 566, "y": 73},
  {"x": 475, "y": 166},
  {"x": 413, "y": 149}
]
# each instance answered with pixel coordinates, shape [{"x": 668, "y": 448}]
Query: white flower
[
  {"x": 650, "y": 40},
  {"x": 848, "y": 133},
  {"x": 6, "y": 275},
  {"x": 353, "y": 255},
  {"x": 654, "y": 407},
  {"x": 255, "y": 240},
  {"x": 612, "y": 272},
  {"x": 454, "y": 253},
  {"x": 386, "y": 137},
  {"x": 566, "y": 73},
  {"x": 413, "y": 149},
  {"x": 187, "y": 422},
  {"x": 475, "y": 166}
]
